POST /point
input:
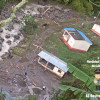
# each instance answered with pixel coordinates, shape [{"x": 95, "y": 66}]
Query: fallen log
[
  {"x": 14, "y": 10},
  {"x": 38, "y": 46}
]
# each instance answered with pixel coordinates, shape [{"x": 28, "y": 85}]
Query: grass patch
[
  {"x": 55, "y": 44},
  {"x": 19, "y": 51}
]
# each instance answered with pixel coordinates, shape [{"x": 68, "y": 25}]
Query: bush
[
  {"x": 2, "y": 3},
  {"x": 29, "y": 25}
]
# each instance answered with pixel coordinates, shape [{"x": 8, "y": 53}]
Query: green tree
[{"x": 70, "y": 92}]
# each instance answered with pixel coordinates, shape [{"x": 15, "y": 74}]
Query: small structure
[
  {"x": 76, "y": 39},
  {"x": 52, "y": 63},
  {"x": 96, "y": 29}
]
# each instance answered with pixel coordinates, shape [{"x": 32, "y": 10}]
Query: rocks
[
  {"x": 1, "y": 30},
  {"x": 4, "y": 56},
  {"x": 16, "y": 37},
  {"x": 8, "y": 42},
  {"x": 6, "y": 11},
  {"x": 16, "y": 26},
  {"x": 7, "y": 36},
  {"x": 11, "y": 26},
  {"x": 0, "y": 47},
  {"x": 1, "y": 39},
  {"x": 15, "y": 20}
]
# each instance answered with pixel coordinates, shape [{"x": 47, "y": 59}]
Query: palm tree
[{"x": 87, "y": 90}]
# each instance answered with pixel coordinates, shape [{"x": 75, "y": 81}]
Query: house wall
[
  {"x": 96, "y": 28},
  {"x": 81, "y": 45},
  {"x": 55, "y": 70},
  {"x": 71, "y": 41}
]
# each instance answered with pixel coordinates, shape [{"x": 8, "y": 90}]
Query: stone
[
  {"x": 1, "y": 30},
  {"x": 7, "y": 36},
  {"x": 16, "y": 37},
  {"x": 1, "y": 40},
  {"x": 11, "y": 26},
  {"x": 16, "y": 26},
  {"x": 4, "y": 56},
  {"x": 0, "y": 47},
  {"x": 8, "y": 42},
  {"x": 15, "y": 20}
]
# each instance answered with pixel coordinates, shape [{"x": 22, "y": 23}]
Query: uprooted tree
[{"x": 13, "y": 14}]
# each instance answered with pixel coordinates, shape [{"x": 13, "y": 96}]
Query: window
[
  {"x": 59, "y": 71},
  {"x": 51, "y": 66},
  {"x": 43, "y": 61}
]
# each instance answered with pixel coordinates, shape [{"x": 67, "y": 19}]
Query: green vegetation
[
  {"x": 83, "y": 6},
  {"x": 55, "y": 44},
  {"x": 2, "y": 96},
  {"x": 82, "y": 76},
  {"x": 76, "y": 93},
  {"x": 29, "y": 30},
  {"x": 88, "y": 86},
  {"x": 3, "y": 2},
  {"x": 31, "y": 97},
  {"x": 79, "y": 80},
  {"x": 29, "y": 25},
  {"x": 24, "y": 46},
  {"x": 78, "y": 88}
]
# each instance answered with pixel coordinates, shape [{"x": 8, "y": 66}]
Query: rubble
[
  {"x": 9, "y": 38},
  {"x": 49, "y": 12}
]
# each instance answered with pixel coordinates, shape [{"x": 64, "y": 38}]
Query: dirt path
[{"x": 13, "y": 71}]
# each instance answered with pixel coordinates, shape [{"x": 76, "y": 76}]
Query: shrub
[{"x": 29, "y": 25}]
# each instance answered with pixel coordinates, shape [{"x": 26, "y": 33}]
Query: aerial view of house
[
  {"x": 52, "y": 63},
  {"x": 76, "y": 39},
  {"x": 96, "y": 29}
]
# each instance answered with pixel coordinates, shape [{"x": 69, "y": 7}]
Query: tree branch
[{"x": 94, "y": 3}]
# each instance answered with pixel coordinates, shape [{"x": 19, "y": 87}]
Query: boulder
[
  {"x": 8, "y": 42},
  {"x": 16, "y": 37},
  {"x": 4, "y": 56},
  {"x": 1, "y": 40},
  {"x": 1, "y": 30},
  {"x": 16, "y": 26},
  {"x": 7, "y": 36}
]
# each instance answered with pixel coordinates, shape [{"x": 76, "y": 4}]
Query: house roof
[
  {"x": 77, "y": 35},
  {"x": 53, "y": 60}
]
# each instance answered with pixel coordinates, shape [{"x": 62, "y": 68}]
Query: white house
[
  {"x": 96, "y": 29},
  {"x": 52, "y": 63},
  {"x": 76, "y": 39}
]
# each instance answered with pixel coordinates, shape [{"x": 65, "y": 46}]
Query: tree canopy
[{"x": 83, "y": 6}]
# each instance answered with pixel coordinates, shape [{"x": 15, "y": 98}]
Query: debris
[
  {"x": 50, "y": 62},
  {"x": 25, "y": 73},
  {"x": 33, "y": 83},
  {"x": 9, "y": 55},
  {"x": 45, "y": 69},
  {"x": 44, "y": 87},
  {"x": 44, "y": 25},
  {"x": 35, "y": 59},
  {"x": 38, "y": 46},
  {"x": 52, "y": 53},
  {"x": 57, "y": 23},
  {"x": 9, "y": 42},
  {"x": 46, "y": 10},
  {"x": 82, "y": 25}
]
